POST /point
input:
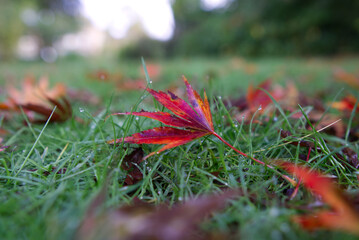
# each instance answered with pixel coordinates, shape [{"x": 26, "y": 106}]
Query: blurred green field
[{"x": 228, "y": 75}]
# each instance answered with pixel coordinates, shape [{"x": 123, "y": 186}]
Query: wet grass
[{"x": 50, "y": 173}]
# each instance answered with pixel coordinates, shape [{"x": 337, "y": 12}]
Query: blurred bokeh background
[{"x": 46, "y": 30}]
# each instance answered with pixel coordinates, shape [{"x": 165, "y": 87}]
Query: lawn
[{"x": 51, "y": 173}]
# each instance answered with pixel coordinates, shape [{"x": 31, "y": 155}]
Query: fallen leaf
[
  {"x": 348, "y": 78},
  {"x": 62, "y": 113},
  {"x": 257, "y": 98},
  {"x": 104, "y": 76},
  {"x": 342, "y": 215},
  {"x": 39, "y": 98},
  {"x": 130, "y": 164},
  {"x": 352, "y": 156},
  {"x": 347, "y": 104},
  {"x": 192, "y": 120},
  {"x": 35, "y": 93},
  {"x": 144, "y": 221},
  {"x": 83, "y": 95},
  {"x": 122, "y": 82},
  {"x": 154, "y": 70},
  {"x": 131, "y": 84}
]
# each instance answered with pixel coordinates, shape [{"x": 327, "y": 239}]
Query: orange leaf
[
  {"x": 35, "y": 93},
  {"x": 39, "y": 98},
  {"x": 343, "y": 215},
  {"x": 350, "y": 79},
  {"x": 347, "y": 104}
]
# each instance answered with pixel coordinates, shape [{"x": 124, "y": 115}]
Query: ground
[{"x": 50, "y": 173}]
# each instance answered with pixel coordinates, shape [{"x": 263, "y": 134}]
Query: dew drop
[
  {"x": 236, "y": 125},
  {"x": 198, "y": 157},
  {"x": 260, "y": 108},
  {"x": 219, "y": 97},
  {"x": 157, "y": 152},
  {"x": 81, "y": 109},
  {"x": 180, "y": 198},
  {"x": 275, "y": 119},
  {"x": 137, "y": 118},
  {"x": 150, "y": 81}
]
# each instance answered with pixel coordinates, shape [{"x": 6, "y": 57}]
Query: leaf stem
[{"x": 293, "y": 182}]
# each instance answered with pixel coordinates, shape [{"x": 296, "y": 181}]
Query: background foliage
[
  {"x": 52, "y": 19},
  {"x": 261, "y": 28}
]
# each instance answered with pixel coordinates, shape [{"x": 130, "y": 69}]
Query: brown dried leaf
[
  {"x": 130, "y": 164},
  {"x": 35, "y": 93},
  {"x": 39, "y": 98},
  {"x": 352, "y": 156},
  {"x": 144, "y": 221}
]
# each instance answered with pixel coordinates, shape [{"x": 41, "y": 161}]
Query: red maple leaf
[{"x": 192, "y": 120}]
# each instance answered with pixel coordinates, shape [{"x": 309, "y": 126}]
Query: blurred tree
[
  {"x": 11, "y": 27},
  {"x": 145, "y": 47},
  {"x": 46, "y": 19},
  {"x": 55, "y": 18},
  {"x": 267, "y": 27}
]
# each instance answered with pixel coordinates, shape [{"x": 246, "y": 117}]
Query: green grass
[{"x": 37, "y": 203}]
